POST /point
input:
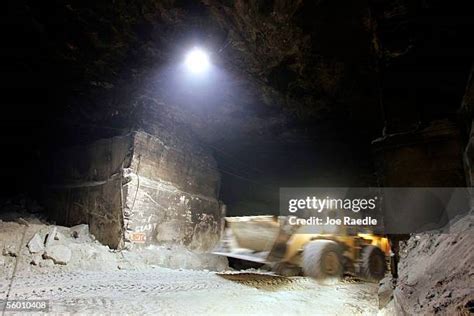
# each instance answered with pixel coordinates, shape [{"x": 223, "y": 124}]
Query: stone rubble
[
  {"x": 50, "y": 236},
  {"x": 52, "y": 248},
  {"x": 36, "y": 244},
  {"x": 36, "y": 260},
  {"x": 78, "y": 231},
  {"x": 58, "y": 253}
]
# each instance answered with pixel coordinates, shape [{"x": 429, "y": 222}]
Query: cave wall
[
  {"x": 430, "y": 157},
  {"x": 469, "y": 158},
  {"x": 84, "y": 185},
  {"x": 423, "y": 60},
  {"x": 171, "y": 196},
  {"x": 138, "y": 189},
  {"x": 467, "y": 109}
]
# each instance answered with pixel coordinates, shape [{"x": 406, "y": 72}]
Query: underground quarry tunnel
[{"x": 250, "y": 157}]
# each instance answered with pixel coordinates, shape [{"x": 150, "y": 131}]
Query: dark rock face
[
  {"x": 433, "y": 271},
  {"x": 467, "y": 109},
  {"x": 85, "y": 184},
  {"x": 173, "y": 192},
  {"x": 421, "y": 46},
  {"x": 140, "y": 189},
  {"x": 431, "y": 157},
  {"x": 317, "y": 53}
]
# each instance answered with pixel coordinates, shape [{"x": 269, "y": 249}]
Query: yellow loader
[{"x": 326, "y": 255}]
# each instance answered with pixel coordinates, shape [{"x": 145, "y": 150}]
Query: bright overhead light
[{"x": 197, "y": 61}]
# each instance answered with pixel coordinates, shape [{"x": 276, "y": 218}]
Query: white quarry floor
[
  {"x": 162, "y": 291},
  {"x": 98, "y": 280}
]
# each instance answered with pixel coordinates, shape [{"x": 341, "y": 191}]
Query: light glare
[{"x": 197, "y": 61}]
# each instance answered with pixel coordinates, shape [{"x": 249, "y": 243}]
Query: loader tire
[
  {"x": 373, "y": 266},
  {"x": 322, "y": 260}
]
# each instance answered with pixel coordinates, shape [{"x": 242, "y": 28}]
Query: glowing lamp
[{"x": 197, "y": 61}]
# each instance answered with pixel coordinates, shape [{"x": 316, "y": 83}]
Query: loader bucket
[{"x": 253, "y": 238}]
